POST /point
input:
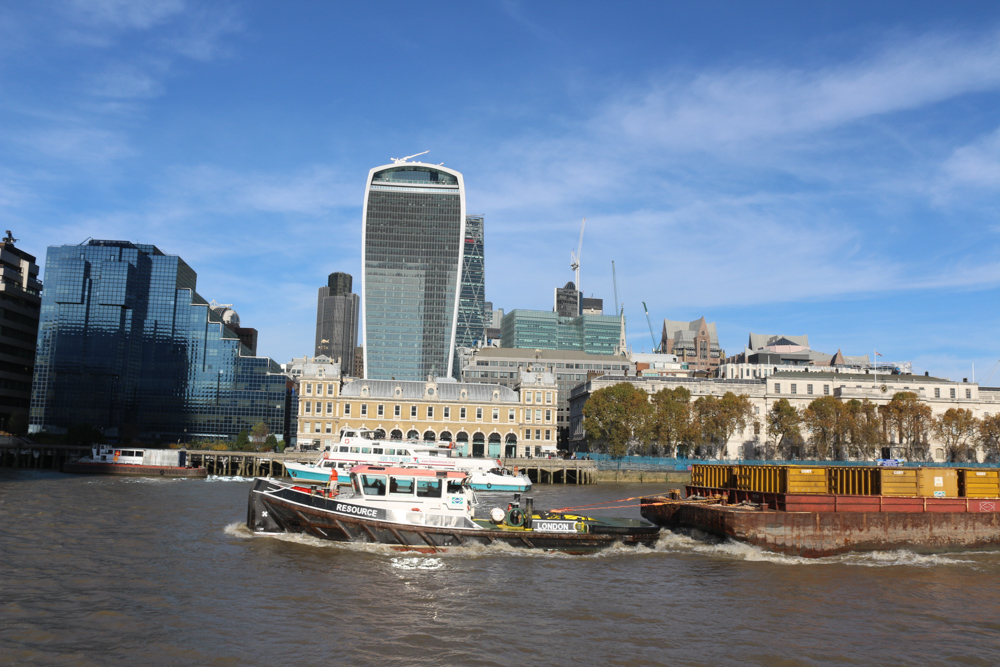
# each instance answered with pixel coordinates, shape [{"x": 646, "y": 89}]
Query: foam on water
[
  {"x": 696, "y": 542},
  {"x": 228, "y": 478}
]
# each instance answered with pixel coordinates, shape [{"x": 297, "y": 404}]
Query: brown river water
[{"x": 110, "y": 570}]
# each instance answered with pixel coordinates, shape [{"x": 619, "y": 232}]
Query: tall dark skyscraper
[
  {"x": 126, "y": 345},
  {"x": 471, "y": 324},
  {"x": 413, "y": 237},
  {"x": 20, "y": 304},
  {"x": 337, "y": 312}
]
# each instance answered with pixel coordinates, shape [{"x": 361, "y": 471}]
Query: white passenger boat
[
  {"x": 357, "y": 447},
  {"x": 429, "y": 511}
]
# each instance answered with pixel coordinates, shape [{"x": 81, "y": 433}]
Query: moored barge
[
  {"x": 828, "y": 510},
  {"x": 116, "y": 460}
]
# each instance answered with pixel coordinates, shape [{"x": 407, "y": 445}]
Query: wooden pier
[{"x": 556, "y": 471}]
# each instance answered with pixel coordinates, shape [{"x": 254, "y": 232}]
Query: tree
[
  {"x": 988, "y": 437},
  {"x": 824, "y": 419},
  {"x": 865, "y": 431},
  {"x": 271, "y": 443},
  {"x": 671, "y": 418},
  {"x": 910, "y": 419},
  {"x": 618, "y": 418},
  {"x": 718, "y": 419},
  {"x": 957, "y": 428},
  {"x": 258, "y": 435},
  {"x": 242, "y": 441},
  {"x": 783, "y": 428}
]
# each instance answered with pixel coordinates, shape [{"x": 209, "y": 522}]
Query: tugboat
[{"x": 429, "y": 511}]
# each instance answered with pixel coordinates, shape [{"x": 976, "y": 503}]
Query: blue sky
[{"x": 829, "y": 169}]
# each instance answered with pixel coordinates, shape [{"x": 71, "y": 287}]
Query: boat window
[
  {"x": 431, "y": 453},
  {"x": 455, "y": 486},
  {"x": 402, "y": 485},
  {"x": 376, "y": 450},
  {"x": 373, "y": 485},
  {"x": 429, "y": 488},
  {"x": 343, "y": 448},
  {"x": 327, "y": 464},
  {"x": 354, "y": 450},
  {"x": 366, "y": 450}
]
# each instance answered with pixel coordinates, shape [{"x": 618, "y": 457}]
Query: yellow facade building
[{"x": 476, "y": 419}]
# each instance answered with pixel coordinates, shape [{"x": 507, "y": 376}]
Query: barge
[
  {"x": 824, "y": 511},
  {"x": 112, "y": 460}
]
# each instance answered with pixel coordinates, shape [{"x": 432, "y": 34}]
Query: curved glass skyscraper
[{"x": 412, "y": 238}]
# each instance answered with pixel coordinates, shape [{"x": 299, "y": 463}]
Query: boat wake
[
  {"x": 697, "y": 542},
  {"x": 228, "y": 478}
]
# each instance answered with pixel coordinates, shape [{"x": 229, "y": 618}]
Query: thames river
[{"x": 110, "y": 570}]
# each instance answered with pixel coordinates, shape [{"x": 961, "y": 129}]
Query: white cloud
[
  {"x": 747, "y": 105},
  {"x": 976, "y": 164},
  {"x": 126, "y": 14}
]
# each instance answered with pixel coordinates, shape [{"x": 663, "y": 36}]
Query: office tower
[
  {"x": 567, "y": 301},
  {"x": 471, "y": 323},
  {"x": 20, "y": 303},
  {"x": 127, "y": 346},
  {"x": 546, "y": 330},
  {"x": 412, "y": 239},
  {"x": 337, "y": 313}
]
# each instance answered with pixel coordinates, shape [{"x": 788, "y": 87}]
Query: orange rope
[{"x": 608, "y": 504}]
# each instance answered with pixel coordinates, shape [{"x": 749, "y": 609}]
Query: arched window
[
  {"x": 429, "y": 436},
  {"x": 396, "y": 434},
  {"x": 412, "y": 434}
]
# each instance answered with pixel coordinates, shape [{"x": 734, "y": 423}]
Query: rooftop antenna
[
  {"x": 614, "y": 279},
  {"x": 9, "y": 238},
  {"x": 575, "y": 259},
  {"x": 402, "y": 160}
]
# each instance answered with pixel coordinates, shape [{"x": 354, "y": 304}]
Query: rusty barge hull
[
  {"x": 809, "y": 526},
  {"x": 132, "y": 470}
]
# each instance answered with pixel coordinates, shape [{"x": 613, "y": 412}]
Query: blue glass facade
[
  {"x": 413, "y": 235},
  {"x": 471, "y": 323},
  {"x": 126, "y": 345}
]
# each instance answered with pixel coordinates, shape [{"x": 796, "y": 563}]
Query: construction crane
[
  {"x": 402, "y": 160},
  {"x": 650, "y": 323},
  {"x": 574, "y": 263}
]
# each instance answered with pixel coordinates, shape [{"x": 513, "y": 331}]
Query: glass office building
[
  {"x": 545, "y": 330},
  {"x": 472, "y": 298},
  {"x": 126, "y": 345},
  {"x": 413, "y": 236}
]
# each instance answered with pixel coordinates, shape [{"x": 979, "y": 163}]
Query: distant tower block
[{"x": 337, "y": 311}]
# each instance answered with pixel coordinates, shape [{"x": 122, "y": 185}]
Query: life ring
[{"x": 515, "y": 517}]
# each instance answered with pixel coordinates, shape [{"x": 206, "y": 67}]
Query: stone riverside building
[
  {"x": 801, "y": 388},
  {"x": 480, "y": 419}
]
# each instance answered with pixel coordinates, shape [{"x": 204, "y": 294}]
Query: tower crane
[
  {"x": 402, "y": 160},
  {"x": 650, "y": 323},
  {"x": 574, "y": 263}
]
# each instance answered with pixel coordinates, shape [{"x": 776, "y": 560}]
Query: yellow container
[
  {"x": 899, "y": 481},
  {"x": 763, "y": 479},
  {"x": 980, "y": 483},
  {"x": 712, "y": 475},
  {"x": 854, "y": 481},
  {"x": 805, "y": 480},
  {"x": 937, "y": 483}
]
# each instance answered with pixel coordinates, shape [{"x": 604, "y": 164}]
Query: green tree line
[{"x": 623, "y": 419}]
